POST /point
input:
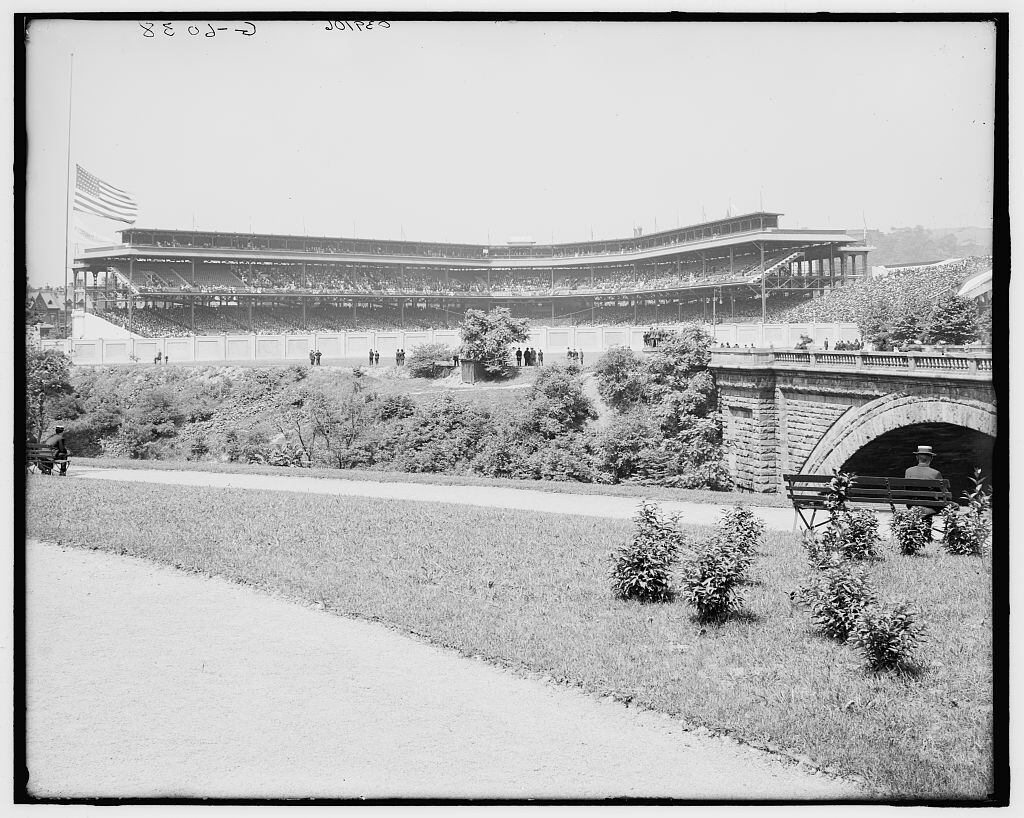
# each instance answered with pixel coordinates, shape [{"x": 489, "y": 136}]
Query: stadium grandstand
[{"x": 170, "y": 282}]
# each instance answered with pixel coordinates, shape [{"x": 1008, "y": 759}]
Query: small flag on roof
[{"x": 93, "y": 195}]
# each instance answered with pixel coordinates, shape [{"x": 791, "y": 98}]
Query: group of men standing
[
  {"x": 314, "y": 357},
  {"x": 529, "y": 357},
  {"x": 574, "y": 356},
  {"x": 374, "y": 357}
]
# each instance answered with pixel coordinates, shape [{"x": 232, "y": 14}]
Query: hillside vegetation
[{"x": 662, "y": 427}]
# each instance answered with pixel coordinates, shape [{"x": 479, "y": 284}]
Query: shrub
[
  {"x": 423, "y": 360},
  {"x": 622, "y": 378},
  {"x": 855, "y": 534},
  {"x": 556, "y": 401},
  {"x": 887, "y": 638},
  {"x": 979, "y": 497},
  {"x": 835, "y": 597},
  {"x": 966, "y": 531},
  {"x": 642, "y": 570},
  {"x": 710, "y": 578},
  {"x": 443, "y": 434},
  {"x": 821, "y": 552},
  {"x": 741, "y": 527},
  {"x": 911, "y": 529},
  {"x": 850, "y": 535}
]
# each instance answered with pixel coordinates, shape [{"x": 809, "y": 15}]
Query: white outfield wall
[{"x": 353, "y": 346}]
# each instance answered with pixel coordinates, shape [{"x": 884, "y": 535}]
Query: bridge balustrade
[{"x": 906, "y": 361}]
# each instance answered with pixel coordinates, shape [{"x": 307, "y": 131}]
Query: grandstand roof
[{"x": 977, "y": 285}]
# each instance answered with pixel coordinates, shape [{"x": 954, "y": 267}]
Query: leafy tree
[
  {"x": 487, "y": 336},
  {"x": 423, "y": 359},
  {"x": 954, "y": 320},
  {"x": 557, "y": 403},
  {"x": 904, "y": 328},
  {"x": 47, "y": 378},
  {"x": 678, "y": 358},
  {"x": 623, "y": 380}
]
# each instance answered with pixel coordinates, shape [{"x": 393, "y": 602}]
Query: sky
[{"x": 484, "y": 131}]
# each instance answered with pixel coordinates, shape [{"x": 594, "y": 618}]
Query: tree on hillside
[
  {"x": 487, "y": 337},
  {"x": 679, "y": 357},
  {"x": 47, "y": 378},
  {"x": 623, "y": 379},
  {"x": 557, "y": 402},
  {"x": 954, "y": 320}
]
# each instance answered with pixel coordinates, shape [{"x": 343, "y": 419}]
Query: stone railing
[{"x": 979, "y": 364}]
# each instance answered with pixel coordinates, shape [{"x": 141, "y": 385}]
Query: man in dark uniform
[
  {"x": 371, "y": 357},
  {"x": 318, "y": 357},
  {"x": 519, "y": 357},
  {"x": 312, "y": 357},
  {"x": 924, "y": 471}
]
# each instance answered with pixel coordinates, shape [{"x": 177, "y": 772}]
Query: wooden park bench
[
  {"x": 43, "y": 457},
  {"x": 810, "y": 492}
]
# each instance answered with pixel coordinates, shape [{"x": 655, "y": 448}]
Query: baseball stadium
[{"x": 159, "y": 283}]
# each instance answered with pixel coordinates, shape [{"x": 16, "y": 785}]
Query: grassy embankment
[{"x": 531, "y": 591}]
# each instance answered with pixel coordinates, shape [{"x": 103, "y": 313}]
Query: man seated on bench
[
  {"x": 56, "y": 440},
  {"x": 924, "y": 471}
]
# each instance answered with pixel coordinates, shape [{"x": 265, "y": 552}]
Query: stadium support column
[
  {"x": 764, "y": 292},
  {"x": 731, "y": 267},
  {"x": 303, "y": 307},
  {"x": 252, "y": 327},
  {"x": 131, "y": 295}
]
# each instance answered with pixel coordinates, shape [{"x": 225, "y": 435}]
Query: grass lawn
[
  {"x": 531, "y": 591},
  {"x": 723, "y": 498}
]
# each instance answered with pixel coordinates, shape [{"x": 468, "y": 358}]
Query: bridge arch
[{"x": 858, "y": 427}]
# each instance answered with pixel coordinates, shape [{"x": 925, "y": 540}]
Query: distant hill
[{"x": 918, "y": 245}]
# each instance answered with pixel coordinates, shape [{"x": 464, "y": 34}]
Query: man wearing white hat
[{"x": 924, "y": 471}]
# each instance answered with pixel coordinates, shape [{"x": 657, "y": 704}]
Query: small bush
[
  {"x": 711, "y": 576},
  {"x": 741, "y": 527},
  {"x": 642, "y": 570},
  {"x": 911, "y": 529},
  {"x": 855, "y": 534},
  {"x": 424, "y": 360},
  {"x": 835, "y": 598},
  {"x": 966, "y": 532},
  {"x": 979, "y": 498},
  {"x": 820, "y": 548},
  {"x": 887, "y": 638}
]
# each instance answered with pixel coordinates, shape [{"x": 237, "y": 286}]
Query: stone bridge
[{"x": 865, "y": 412}]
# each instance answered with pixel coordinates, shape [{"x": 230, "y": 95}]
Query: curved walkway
[
  {"x": 589, "y": 505},
  {"x": 144, "y": 681}
]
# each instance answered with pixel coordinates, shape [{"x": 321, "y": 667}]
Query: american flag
[{"x": 93, "y": 195}]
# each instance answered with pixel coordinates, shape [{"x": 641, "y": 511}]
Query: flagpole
[{"x": 67, "y": 197}]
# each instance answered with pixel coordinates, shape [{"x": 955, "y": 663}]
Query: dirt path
[
  {"x": 145, "y": 681},
  {"x": 590, "y": 505}
]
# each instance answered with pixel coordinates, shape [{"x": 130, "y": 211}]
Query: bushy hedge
[
  {"x": 424, "y": 360},
  {"x": 642, "y": 569},
  {"x": 911, "y": 530}
]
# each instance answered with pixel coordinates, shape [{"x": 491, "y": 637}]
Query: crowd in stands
[
  {"x": 252, "y": 277},
  {"x": 902, "y": 288}
]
